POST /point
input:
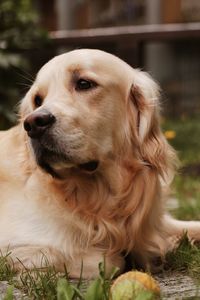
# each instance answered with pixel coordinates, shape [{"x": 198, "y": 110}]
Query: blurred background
[{"x": 158, "y": 36}]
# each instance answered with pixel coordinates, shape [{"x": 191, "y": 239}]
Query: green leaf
[
  {"x": 65, "y": 290},
  {"x": 114, "y": 272},
  {"x": 102, "y": 267},
  {"x": 94, "y": 291},
  {"x": 9, "y": 293}
]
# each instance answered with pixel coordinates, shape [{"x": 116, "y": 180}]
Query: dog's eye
[
  {"x": 38, "y": 100},
  {"x": 83, "y": 84}
]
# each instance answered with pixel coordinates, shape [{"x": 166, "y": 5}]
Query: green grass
[
  {"x": 52, "y": 285},
  {"x": 186, "y": 186},
  {"x": 187, "y": 191},
  {"x": 6, "y": 270},
  {"x": 187, "y": 140},
  {"x": 186, "y": 258}
]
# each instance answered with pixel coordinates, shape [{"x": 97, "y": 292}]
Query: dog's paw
[
  {"x": 35, "y": 257},
  {"x": 174, "y": 241}
]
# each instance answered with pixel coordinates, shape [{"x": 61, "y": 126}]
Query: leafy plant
[
  {"x": 19, "y": 32},
  {"x": 19, "y": 25},
  {"x": 98, "y": 289}
]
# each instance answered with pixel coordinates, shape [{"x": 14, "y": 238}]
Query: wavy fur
[{"x": 76, "y": 215}]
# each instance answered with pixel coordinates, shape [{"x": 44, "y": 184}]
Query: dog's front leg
[
  {"x": 28, "y": 257},
  {"x": 34, "y": 257}
]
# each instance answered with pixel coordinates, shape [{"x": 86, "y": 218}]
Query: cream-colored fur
[{"x": 78, "y": 215}]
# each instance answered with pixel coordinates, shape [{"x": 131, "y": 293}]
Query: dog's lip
[
  {"x": 61, "y": 171},
  {"x": 89, "y": 166}
]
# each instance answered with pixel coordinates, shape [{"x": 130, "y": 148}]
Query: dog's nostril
[
  {"x": 27, "y": 126},
  {"x": 44, "y": 120}
]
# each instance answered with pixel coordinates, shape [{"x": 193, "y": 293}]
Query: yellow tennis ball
[{"x": 134, "y": 285}]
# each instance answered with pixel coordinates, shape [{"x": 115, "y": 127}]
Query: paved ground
[
  {"x": 177, "y": 286},
  {"x": 173, "y": 286},
  {"x": 18, "y": 295}
]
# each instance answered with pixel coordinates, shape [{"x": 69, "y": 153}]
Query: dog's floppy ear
[
  {"x": 144, "y": 95},
  {"x": 143, "y": 111}
]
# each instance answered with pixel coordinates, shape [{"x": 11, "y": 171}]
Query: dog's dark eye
[
  {"x": 83, "y": 84},
  {"x": 38, "y": 100}
]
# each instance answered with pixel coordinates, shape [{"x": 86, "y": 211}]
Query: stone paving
[
  {"x": 177, "y": 286},
  {"x": 18, "y": 295},
  {"x": 173, "y": 286}
]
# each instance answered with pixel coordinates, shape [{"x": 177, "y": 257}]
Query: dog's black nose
[{"x": 37, "y": 123}]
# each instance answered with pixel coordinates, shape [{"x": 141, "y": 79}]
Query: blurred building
[
  {"x": 176, "y": 64},
  {"x": 79, "y": 14}
]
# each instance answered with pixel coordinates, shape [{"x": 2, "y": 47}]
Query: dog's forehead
[{"x": 97, "y": 61}]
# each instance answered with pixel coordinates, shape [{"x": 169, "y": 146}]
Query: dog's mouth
[
  {"x": 59, "y": 164},
  {"x": 60, "y": 170},
  {"x": 89, "y": 167}
]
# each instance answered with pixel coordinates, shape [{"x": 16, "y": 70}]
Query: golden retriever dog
[{"x": 84, "y": 174}]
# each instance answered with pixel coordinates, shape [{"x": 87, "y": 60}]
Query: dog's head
[{"x": 87, "y": 108}]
